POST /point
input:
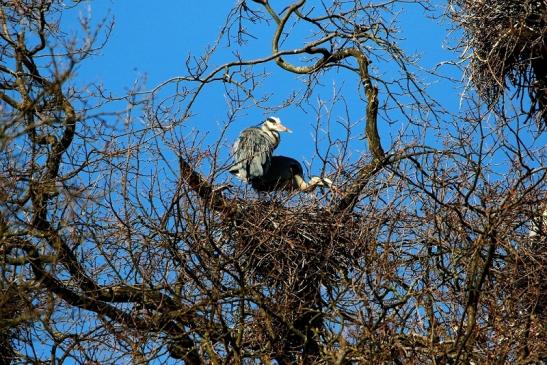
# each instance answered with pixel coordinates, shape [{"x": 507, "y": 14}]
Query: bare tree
[{"x": 122, "y": 243}]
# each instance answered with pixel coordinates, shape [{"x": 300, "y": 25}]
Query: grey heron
[
  {"x": 285, "y": 173},
  {"x": 253, "y": 149}
]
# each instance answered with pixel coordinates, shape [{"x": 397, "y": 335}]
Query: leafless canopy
[{"x": 120, "y": 240}]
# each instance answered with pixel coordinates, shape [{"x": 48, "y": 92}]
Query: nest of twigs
[
  {"x": 12, "y": 320},
  {"x": 298, "y": 253},
  {"x": 279, "y": 242},
  {"x": 508, "y": 41}
]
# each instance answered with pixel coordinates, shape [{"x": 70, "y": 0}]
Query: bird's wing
[
  {"x": 253, "y": 152},
  {"x": 280, "y": 176}
]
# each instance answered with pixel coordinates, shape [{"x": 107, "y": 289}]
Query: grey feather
[{"x": 252, "y": 153}]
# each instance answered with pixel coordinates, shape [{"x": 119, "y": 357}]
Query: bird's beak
[{"x": 282, "y": 128}]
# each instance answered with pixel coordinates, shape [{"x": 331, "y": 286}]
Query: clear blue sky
[{"x": 153, "y": 38}]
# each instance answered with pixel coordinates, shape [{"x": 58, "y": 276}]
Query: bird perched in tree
[
  {"x": 286, "y": 173},
  {"x": 253, "y": 149},
  {"x": 539, "y": 225}
]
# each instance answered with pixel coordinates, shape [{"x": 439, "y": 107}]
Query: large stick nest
[
  {"x": 296, "y": 252},
  {"x": 279, "y": 240},
  {"x": 508, "y": 41}
]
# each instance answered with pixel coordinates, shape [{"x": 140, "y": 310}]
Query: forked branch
[{"x": 354, "y": 188}]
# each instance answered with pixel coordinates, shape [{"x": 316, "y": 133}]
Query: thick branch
[
  {"x": 205, "y": 190},
  {"x": 474, "y": 290},
  {"x": 371, "y": 129},
  {"x": 379, "y": 159},
  {"x": 186, "y": 345}
]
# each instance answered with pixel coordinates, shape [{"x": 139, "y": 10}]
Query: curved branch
[
  {"x": 103, "y": 308},
  {"x": 350, "y": 197}
]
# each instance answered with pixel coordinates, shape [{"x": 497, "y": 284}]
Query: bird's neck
[{"x": 273, "y": 135}]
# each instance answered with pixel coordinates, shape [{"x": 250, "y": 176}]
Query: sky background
[{"x": 152, "y": 39}]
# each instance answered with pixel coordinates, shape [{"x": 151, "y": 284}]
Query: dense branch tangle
[
  {"x": 396, "y": 265},
  {"x": 37, "y": 94},
  {"x": 297, "y": 322}
]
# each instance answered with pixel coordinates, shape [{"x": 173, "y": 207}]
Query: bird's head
[{"x": 274, "y": 124}]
